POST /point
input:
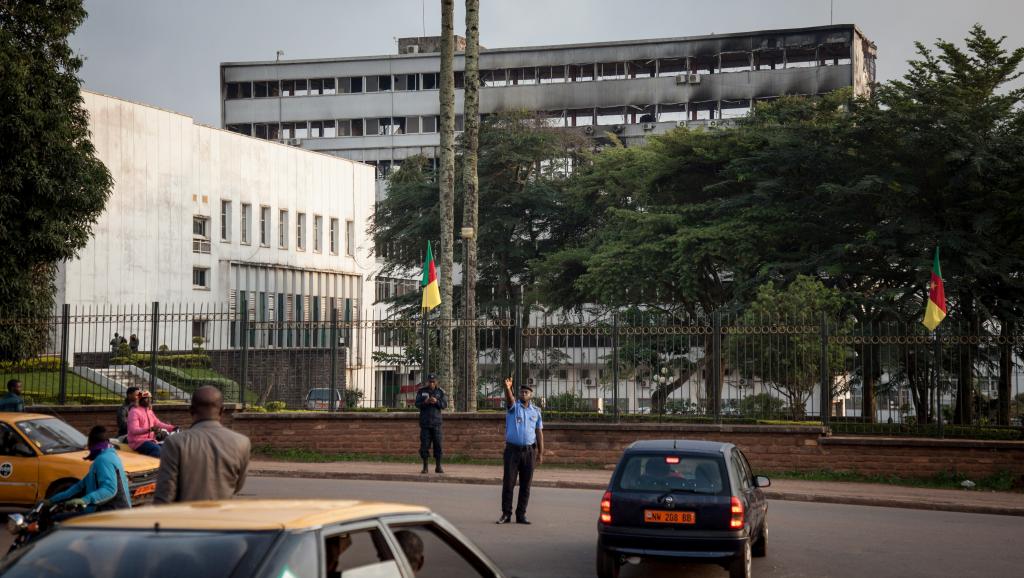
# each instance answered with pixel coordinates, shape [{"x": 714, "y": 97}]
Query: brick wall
[{"x": 481, "y": 436}]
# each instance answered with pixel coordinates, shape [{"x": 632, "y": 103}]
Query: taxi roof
[
  {"x": 16, "y": 416},
  {"x": 251, "y": 515}
]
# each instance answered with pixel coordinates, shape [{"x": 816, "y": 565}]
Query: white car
[{"x": 319, "y": 398}]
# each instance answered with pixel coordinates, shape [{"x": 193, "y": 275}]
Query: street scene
[{"x": 460, "y": 288}]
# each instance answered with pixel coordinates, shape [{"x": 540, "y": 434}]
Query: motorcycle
[{"x": 36, "y": 522}]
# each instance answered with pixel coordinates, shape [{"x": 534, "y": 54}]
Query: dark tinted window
[
  {"x": 657, "y": 473},
  {"x": 84, "y": 553}
]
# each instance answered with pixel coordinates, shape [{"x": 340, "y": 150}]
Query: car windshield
[
  {"x": 52, "y": 436},
  {"x": 73, "y": 553},
  {"x": 682, "y": 473}
]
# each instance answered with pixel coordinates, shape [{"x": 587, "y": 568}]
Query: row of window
[
  {"x": 201, "y": 230},
  {"x": 825, "y": 55},
  {"x": 378, "y": 126}
]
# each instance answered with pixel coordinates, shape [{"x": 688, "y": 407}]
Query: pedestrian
[
  {"x": 431, "y": 400},
  {"x": 206, "y": 462},
  {"x": 143, "y": 425},
  {"x": 131, "y": 399},
  {"x": 115, "y": 343},
  {"x": 133, "y": 343},
  {"x": 13, "y": 400},
  {"x": 524, "y": 449}
]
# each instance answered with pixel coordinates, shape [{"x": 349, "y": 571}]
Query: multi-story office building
[{"x": 382, "y": 109}]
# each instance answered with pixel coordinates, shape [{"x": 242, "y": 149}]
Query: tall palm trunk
[
  {"x": 471, "y": 118},
  {"x": 447, "y": 189}
]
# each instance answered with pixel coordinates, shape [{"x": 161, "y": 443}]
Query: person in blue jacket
[{"x": 105, "y": 487}]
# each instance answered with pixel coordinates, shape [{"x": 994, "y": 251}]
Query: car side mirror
[{"x": 762, "y": 481}]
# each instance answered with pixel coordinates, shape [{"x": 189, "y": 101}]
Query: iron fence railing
[{"x": 857, "y": 377}]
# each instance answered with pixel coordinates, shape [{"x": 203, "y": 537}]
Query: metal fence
[{"x": 880, "y": 377}]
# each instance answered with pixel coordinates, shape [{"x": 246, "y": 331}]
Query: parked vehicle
[
  {"x": 41, "y": 455},
  {"x": 255, "y": 538},
  {"x": 319, "y": 398},
  {"x": 683, "y": 500}
]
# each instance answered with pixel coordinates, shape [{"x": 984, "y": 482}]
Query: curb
[{"x": 880, "y": 502}]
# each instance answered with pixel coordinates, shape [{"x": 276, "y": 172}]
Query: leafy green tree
[{"x": 52, "y": 186}]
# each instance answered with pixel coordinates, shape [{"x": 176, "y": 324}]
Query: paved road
[{"x": 807, "y": 540}]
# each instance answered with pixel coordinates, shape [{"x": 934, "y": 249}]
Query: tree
[
  {"x": 447, "y": 185},
  {"x": 52, "y": 186},
  {"x": 471, "y": 140},
  {"x": 790, "y": 362}
]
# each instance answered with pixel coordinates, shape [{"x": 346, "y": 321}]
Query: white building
[{"x": 203, "y": 217}]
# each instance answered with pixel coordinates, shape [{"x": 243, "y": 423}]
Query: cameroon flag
[
  {"x": 431, "y": 292},
  {"x": 935, "y": 312}
]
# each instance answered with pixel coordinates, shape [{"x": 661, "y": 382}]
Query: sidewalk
[{"x": 1003, "y": 503}]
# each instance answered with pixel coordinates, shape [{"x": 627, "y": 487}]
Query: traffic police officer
[
  {"x": 524, "y": 448},
  {"x": 431, "y": 400}
]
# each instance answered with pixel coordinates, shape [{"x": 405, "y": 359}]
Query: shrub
[
  {"x": 275, "y": 406},
  {"x": 41, "y": 363},
  {"x": 569, "y": 402},
  {"x": 353, "y": 397},
  {"x": 761, "y": 405},
  {"x": 256, "y": 409}
]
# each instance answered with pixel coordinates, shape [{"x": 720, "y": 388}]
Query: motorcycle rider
[
  {"x": 105, "y": 486},
  {"x": 143, "y": 425}
]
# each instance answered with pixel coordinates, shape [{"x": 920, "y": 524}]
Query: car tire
[
  {"x": 608, "y": 565},
  {"x": 740, "y": 566},
  {"x": 760, "y": 548}
]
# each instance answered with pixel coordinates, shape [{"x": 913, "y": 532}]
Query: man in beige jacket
[{"x": 206, "y": 462}]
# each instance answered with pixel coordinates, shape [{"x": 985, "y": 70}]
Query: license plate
[
  {"x": 143, "y": 490},
  {"x": 663, "y": 517}
]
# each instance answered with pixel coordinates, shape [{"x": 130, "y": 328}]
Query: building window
[
  {"x": 350, "y": 85},
  {"x": 200, "y": 234},
  {"x": 246, "y": 219},
  {"x": 350, "y": 127},
  {"x": 225, "y": 220},
  {"x": 200, "y": 278},
  {"x": 282, "y": 229},
  {"x": 406, "y": 82},
  {"x": 431, "y": 81},
  {"x": 412, "y": 125},
  {"x": 334, "y": 236},
  {"x": 265, "y": 226},
  {"x": 294, "y": 130},
  {"x": 266, "y": 131},
  {"x": 350, "y": 238},
  {"x": 266, "y": 88},
  {"x": 239, "y": 90},
  {"x": 429, "y": 123},
  {"x": 319, "y": 86},
  {"x": 294, "y": 87},
  {"x": 245, "y": 129},
  {"x": 300, "y": 231},
  {"x": 318, "y": 229},
  {"x": 380, "y": 83},
  {"x": 322, "y": 129}
]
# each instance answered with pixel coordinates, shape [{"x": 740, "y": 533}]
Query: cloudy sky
[{"x": 167, "y": 52}]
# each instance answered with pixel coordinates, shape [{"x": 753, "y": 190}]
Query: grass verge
[
  {"x": 43, "y": 387},
  {"x": 312, "y": 457}
]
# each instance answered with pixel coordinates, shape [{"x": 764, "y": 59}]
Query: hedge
[
  {"x": 143, "y": 360},
  {"x": 42, "y": 363}
]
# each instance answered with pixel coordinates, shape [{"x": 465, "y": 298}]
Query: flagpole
[{"x": 426, "y": 349}]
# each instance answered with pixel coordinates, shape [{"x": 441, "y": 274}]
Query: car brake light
[
  {"x": 671, "y": 459},
  {"x": 606, "y": 508},
  {"x": 736, "y": 522}
]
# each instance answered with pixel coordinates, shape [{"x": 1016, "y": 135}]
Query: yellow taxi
[
  {"x": 41, "y": 455},
  {"x": 256, "y": 538}
]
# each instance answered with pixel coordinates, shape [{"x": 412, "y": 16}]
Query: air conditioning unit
[
  {"x": 648, "y": 126},
  {"x": 293, "y": 142},
  {"x": 588, "y": 130},
  {"x": 682, "y": 78},
  {"x": 529, "y": 381},
  {"x": 588, "y": 381},
  {"x": 713, "y": 124},
  {"x": 693, "y": 79},
  {"x": 412, "y": 49},
  {"x": 681, "y": 123},
  {"x": 744, "y": 382},
  {"x": 618, "y": 128}
]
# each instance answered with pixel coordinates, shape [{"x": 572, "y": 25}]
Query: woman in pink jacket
[{"x": 143, "y": 425}]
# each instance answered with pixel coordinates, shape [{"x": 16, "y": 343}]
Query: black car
[{"x": 683, "y": 500}]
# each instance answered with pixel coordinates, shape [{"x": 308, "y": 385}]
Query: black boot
[
  {"x": 439, "y": 469},
  {"x": 424, "y": 470}
]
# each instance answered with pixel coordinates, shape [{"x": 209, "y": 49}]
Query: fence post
[
  {"x": 243, "y": 327},
  {"x": 517, "y": 347},
  {"x": 615, "y": 365},
  {"x": 716, "y": 366},
  {"x": 826, "y": 386},
  {"x": 938, "y": 379},
  {"x": 65, "y": 322},
  {"x": 334, "y": 355},
  {"x": 155, "y": 345}
]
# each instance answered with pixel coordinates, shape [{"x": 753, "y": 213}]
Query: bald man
[{"x": 206, "y": 462}]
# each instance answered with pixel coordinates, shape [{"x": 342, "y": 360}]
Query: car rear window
[
  {"x": 659, "y": 473},
  {"x": 319, "y": 395},
  {"x": 129, "y": 554}
]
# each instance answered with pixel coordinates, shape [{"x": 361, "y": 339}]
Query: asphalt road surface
[{"x": 807, "y": 540}]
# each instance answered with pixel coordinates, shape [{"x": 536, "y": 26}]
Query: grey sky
[{"x": 167, "y": 52}]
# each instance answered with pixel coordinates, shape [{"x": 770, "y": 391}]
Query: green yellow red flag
[
  {"x": 431, "y": 291},
  {"x": 935, "y": 311}
]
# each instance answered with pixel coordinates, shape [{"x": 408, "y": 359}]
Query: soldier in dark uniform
[{"x": 431, "y": 400}]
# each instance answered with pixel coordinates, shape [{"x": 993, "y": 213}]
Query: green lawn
[
  {"x": 43, "y": 387},
  {"x": 190, "y": 379}
]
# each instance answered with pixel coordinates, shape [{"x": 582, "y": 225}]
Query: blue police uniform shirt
[{"x": 522, "y": 423}]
